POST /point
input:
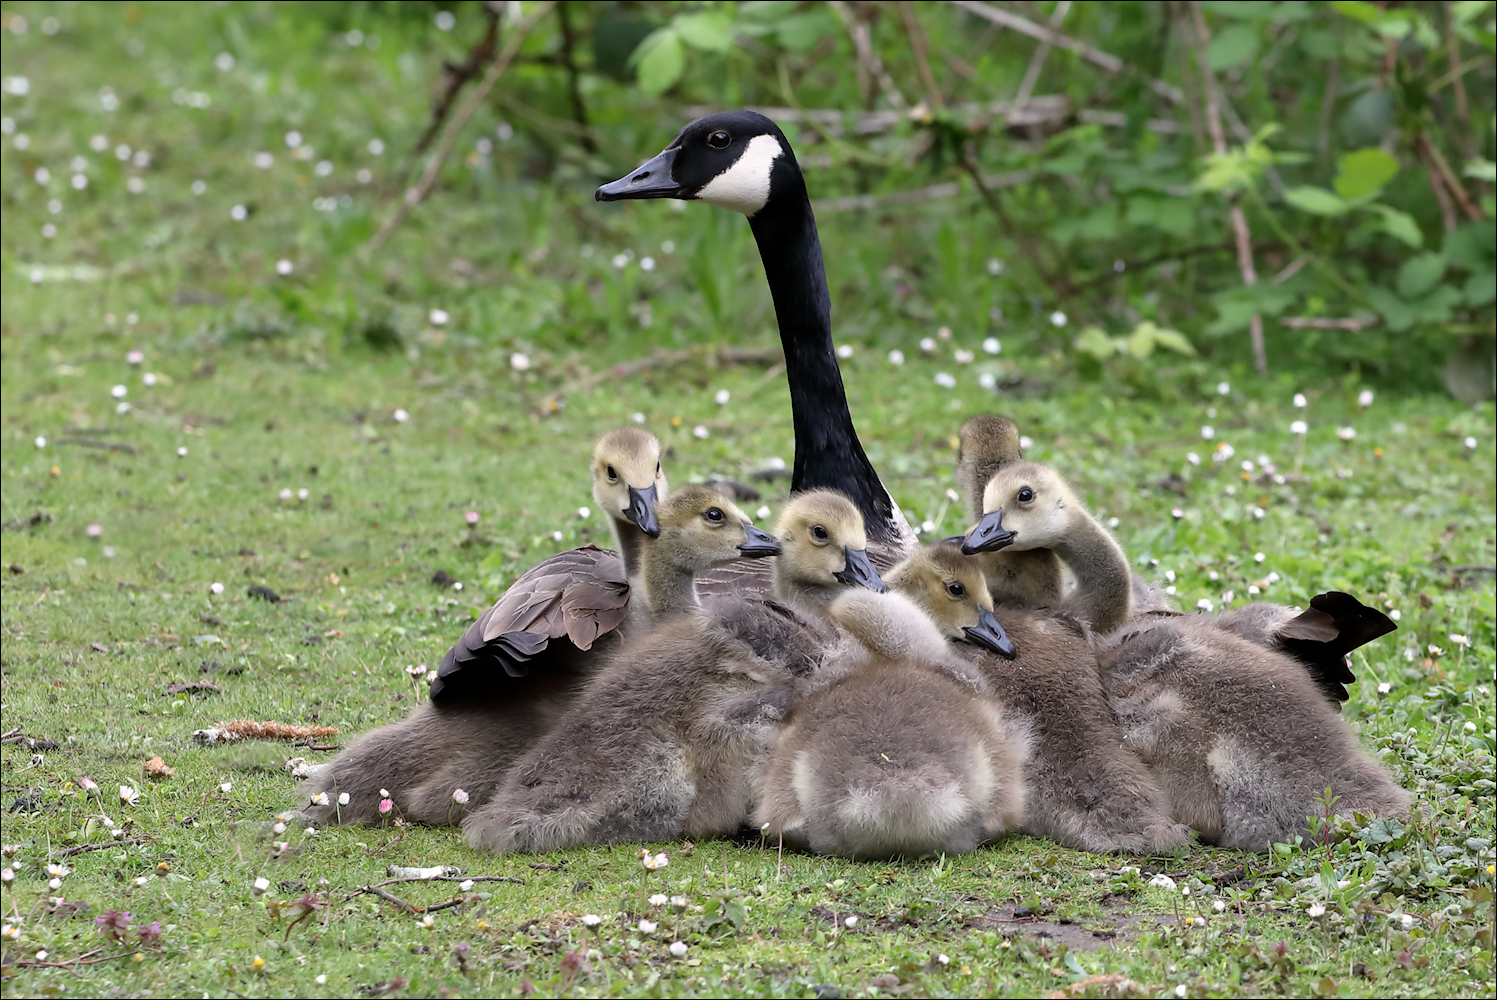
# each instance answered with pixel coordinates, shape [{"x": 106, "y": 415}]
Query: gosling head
[
  {"x": 1025, "y": 506},
  {"x": 700, "y": 529},
  {"x": 951, "y": 589},
  {"x": 823, "y": 548},
  {"x": 628, "y": 482},
  {"x": 735, "y": 159},
  {"x": 989, "y": 440}
]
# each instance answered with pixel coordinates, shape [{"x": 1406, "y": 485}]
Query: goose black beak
[
  {"x": 859, "y": 572},
  {"x": 650, "y": 180},
  {"x": 989, "y": 535},
  {"x": 641, "y": 510},
  {"x": 989, "y": 634},
  {"x": 758, "y": 543}
]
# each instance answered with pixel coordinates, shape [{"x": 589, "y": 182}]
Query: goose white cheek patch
[{"x": 744, "y": 187}]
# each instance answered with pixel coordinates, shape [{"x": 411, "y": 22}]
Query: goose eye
[
  {"x": 658, "y": 471},
  {"x": 1026, "y": 495},
  {"x": 613, "y": 476},
  {"x": 956, "y": 589},
  {"x": 714, "y": 515},
  {"x": 819, "y": 534},
  {"x": 719, "y": 140}
]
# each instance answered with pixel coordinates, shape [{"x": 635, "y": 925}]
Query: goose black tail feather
[{"x": 1322, "y": 636}]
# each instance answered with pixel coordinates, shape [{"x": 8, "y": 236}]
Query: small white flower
[
  {"x": 320, "y": 980},
  {"x": 122, "y": 409},
  {"x": 1192, "y": 458},
  {"x": 198, "y": 188},
  {"x": 1185, "y": 890},
  {"x": 119, "y": 392},
  {"x": 57, "y": 871},
  {"x": 1113, "y": 522},
  {"x": 992, "y": 346},
  {"x": 620, "y": 261},
  {"x": 678, "y": 902},
  {"x": 427, "y": 921},
  {"x": 1470, "y": 442},
  {"x": 995, "y": 266},
  {"x": 591, "y": 920},
  {"x": 364, "y": 175},
  {"x": 54, "y": 884},
  {"x": 1057, "y": 318},
  {"x": 988, "y": 381},
  {"x": 460, "y": 796},
  {"x": 260, "y": 886},
  {"x": 1204, "y": 603},
  {"x": 293, "y": 139},
  {"x": 558, "y": 536},
  {"x": 215, "y": 588},
  {"x": 647, "y": 926},
  {"x": 303, "y": 493},
  {"x": 8, "y": 874},
  {"x": 1299, "y": 427},
  {"x": 439, "y": 317},
  {"x": 224, "y": 61},
  {"x": 1316, "y": 910},
  {"x": 1247, "y": 465},
  {"x": 944, "y": 332},
  {"x": 80, "y": 182},
  {"x": 1025, "y": 441},
  {"x": 40, "y": 441},
  {"x": 342, "y": 798},
  {"x": 638, "y": 418},
  {"x": 1273, "y": 577},
  {"x": 129, "y": 796},
  {"x": 700, "y": 432},
  {"x": 466, "y": 885},
  {"x": 896, "y": 357},
  {"x": 1299, "y": 401},
  {"x": 1469, "y": 727},
  {"x": 944, "y": 959},
  {"x": 945, "y": 380},
  {"x": 1219, "y": 906},
  {"x": 323, "y": 168},
  {"x": 1207, "y": 432},
  {"x": 656, "y": 861},
  {"x": 722, "y": 396},
  {"x": 519, "y": 361},
  {"x": 285, "y": 493},
  {"x": 1346, "y": 433},
  {"x": 384, "y": 793},
  {"x": 1460, "y": 639},
  {"x": 1223, "y": 388},
  {"x": 238, "y": 213},
  {"x": 94, "y": 530},
  {"x": 762, "y": 513},
  {"x": 264, "y": 160},
  {"x": 278, "y": 828},
  {"x": 1175, "y": 512},
  {"x": 647, "y": 263},
  {"x": 284, "y": 267},
  {"x": 401, "y": 415},
  {"x": 928, "y": 345},
  {"x": 850, "y": 921},
  {"x": 678, "y": 949},
  {"x": 659, "y": 899},
  {"x": 1407, "y": 920},
  {"x": 376, "y": 147},
  {"x": 1181, "y": 991},
  {"x": 1259, "y": 557},
  {"x": 1435, "y": 650},
  {"x": 1364, "y": 398},
  {"x": 963, "y": 357},
  {"x": 1163, "y": 881},
  {"x": 583, "y": 513},
  {"x": 148, "y": 379},
  {"x": 844, "y": 351}
]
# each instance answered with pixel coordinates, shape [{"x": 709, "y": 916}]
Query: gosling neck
[
  {"x": 1104, "y": 586},
  {"x": 668, "y": 587},
  {"x": 828, "y": 453},
  {"x": 629, "y": 541}
]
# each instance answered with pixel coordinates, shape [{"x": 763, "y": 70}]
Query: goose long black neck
[{"x": 828, "y": 453}]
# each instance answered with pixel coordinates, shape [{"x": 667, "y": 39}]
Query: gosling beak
[
  {"x": 650, "y": 180},
  {"x": 859, "y": 571},
  {"x": 988, "y": 633},
  {"x": 641, "y": 510},
  {"x": 758, "y": 543},
  {"x": 989, "y": 535}
]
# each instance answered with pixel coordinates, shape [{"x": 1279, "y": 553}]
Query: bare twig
[
  {"x": 456, "y": 75},
  {"x": 1448, "y": 219},
  {"x": 1057, "y": 282},
  {"x": 415, "y": 195},
  {"x": 1352, "y": 323},
  {"x": 391, "y": 898},
  {"x": 102, "y": 445},
  {"x": 434, "y": 878},
  {"x": 1433, "y": 156},
  {"x": 11, "y": 735},
  {"x": 1110, "y": 63},
  {"x": 1453, "y": 54},
  {"x": 1327, "y": 108},
  {"x": 869, "y": 67},
  {"x": 1239, "y": 220},
  {"x": 919, "y": 47},
  {"x": 86, "y": 848},
  {"x": 919, "y": 196},
  {"x": 1037, "y": 61},
  {"x": 574, "y": 90},
  {"x": 32, "y": 964}
]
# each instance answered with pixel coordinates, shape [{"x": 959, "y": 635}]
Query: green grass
[{"x": 292, "y": 382}]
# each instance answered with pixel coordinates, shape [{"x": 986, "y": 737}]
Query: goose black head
[{"x": 735, "y": 159}]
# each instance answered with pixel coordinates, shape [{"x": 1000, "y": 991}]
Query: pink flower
[
  {"x": 471, "y": 517},
  {"x": 385, "y": 805},
  {"x": 460, "y": 797}
]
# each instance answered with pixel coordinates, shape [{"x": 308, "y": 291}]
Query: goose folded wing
[{"x": 580, "y": 594}]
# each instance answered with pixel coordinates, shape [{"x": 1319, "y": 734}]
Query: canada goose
[
  {"x": 581, "y": 595},
  {"x": 1242, "y": 738},
  {"x": 895, "y": 745},
  {"x": 740, "y": 160},
  {"x": 664, "y": 741},
  {"x": 1028, "y": 506},
  {"x": 1028, "y": 578},
  {"x": 1085, "y": 789}
]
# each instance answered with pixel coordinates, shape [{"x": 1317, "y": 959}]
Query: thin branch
[
  {"x": 1448, "y": 219},
  {"x": 86, "y": 848},
  {"x": 1239, "y": 220},
  {"x": 574, "y": 90},
  {"x": 1110, "y": 63},
  {"x": 869, "y": 65},
  {"x": 1457, "y": 189},
  {"x": 456, "y": 75},
  {"x": 31, "y": 964},
  {"x": 1327, "y": 109},
  {"x": 1058, "y": 282},
  {"x": 1037, "y": 61},
  {"x": 920, "y": 47},
  {"x": 1453, "y": 54},
  {"x": 1352, "y": 323},
  {"x": 434, "y": 878},
  {"x": 415, "y": 195},
  {"x": 919, "y": 196}
]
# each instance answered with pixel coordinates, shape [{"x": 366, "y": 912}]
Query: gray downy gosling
[
  {"x": 1240, "y": 737},
  {"x": 663, "y": 743},
  {"x": 896, "y": 745}
]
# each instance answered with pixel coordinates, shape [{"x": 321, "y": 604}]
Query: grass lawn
[{"x": 322, "y": 427}]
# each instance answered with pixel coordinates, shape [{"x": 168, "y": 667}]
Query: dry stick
[
  {"x": 1327, "y": 107},
  {"x": 869, "y": 62},
  {"x": 920, "y": 47},
  {"x": 1058, "y": 283},
  {"x": 1448, "y": 217},
  {"x": 1352, "y": 323},
  {"x": 455, "y": 75},
  {"x": 1453, "y": 53},
  {"x": 1457, "y": 189},
  {"x": 415, "y": 195},
  {"x": 86, "y": 848},
  {"x": 1037, "y": 61},
  {"x": 1110, "y": 63},
  {"x": 1239, "y": 220},
  {"x": 75, "y": 962},
  {"x": 574, "y": 91}
]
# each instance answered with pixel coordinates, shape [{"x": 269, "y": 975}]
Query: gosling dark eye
[
  {"x": 956, "y": 589},
  {"x": 819, "y": 533},
  {"x": 1026, "y": 495},
  {"x": 719, "y": 140},
  {"x": 658, "y": 472},
  {"x": 613, "y": 476},
  {"x": 714, "y": 515}
]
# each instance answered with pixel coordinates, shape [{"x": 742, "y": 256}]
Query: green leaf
[
  {"x": 1437, "y": 306},
  {"x": 1420, "y": 274},
  {"x": 1358, "y": 11},
  {"x": 1236, "y": 44},
  {"x": 1316, "y": 201},
  {"x": 1481, "y": 289},
  {"x": 711, "y": 31},
  {"x": 1363, "y": 172},
  {"x": 1399, "y": 225},
  {"x": 1173, "y": 340},
  {"x": 1098, "y": 344},
  {"x": 1482, "y": 170},
  {"x": 1395, "y": 312},
  {"x": 661, "y": 60},
  {"x": 766, "y": 10},
  {"x": 1472, "y": 247},
  {"x": 799, "y": 34}
]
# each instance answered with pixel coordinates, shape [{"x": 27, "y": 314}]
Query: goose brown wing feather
[{"x": 580, "y": 594}]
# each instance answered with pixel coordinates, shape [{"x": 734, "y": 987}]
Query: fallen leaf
[
  {"x": 98, "y": 647},
  {"x": 156, "y": 768},
  {"x": 189, "y": 687}
]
